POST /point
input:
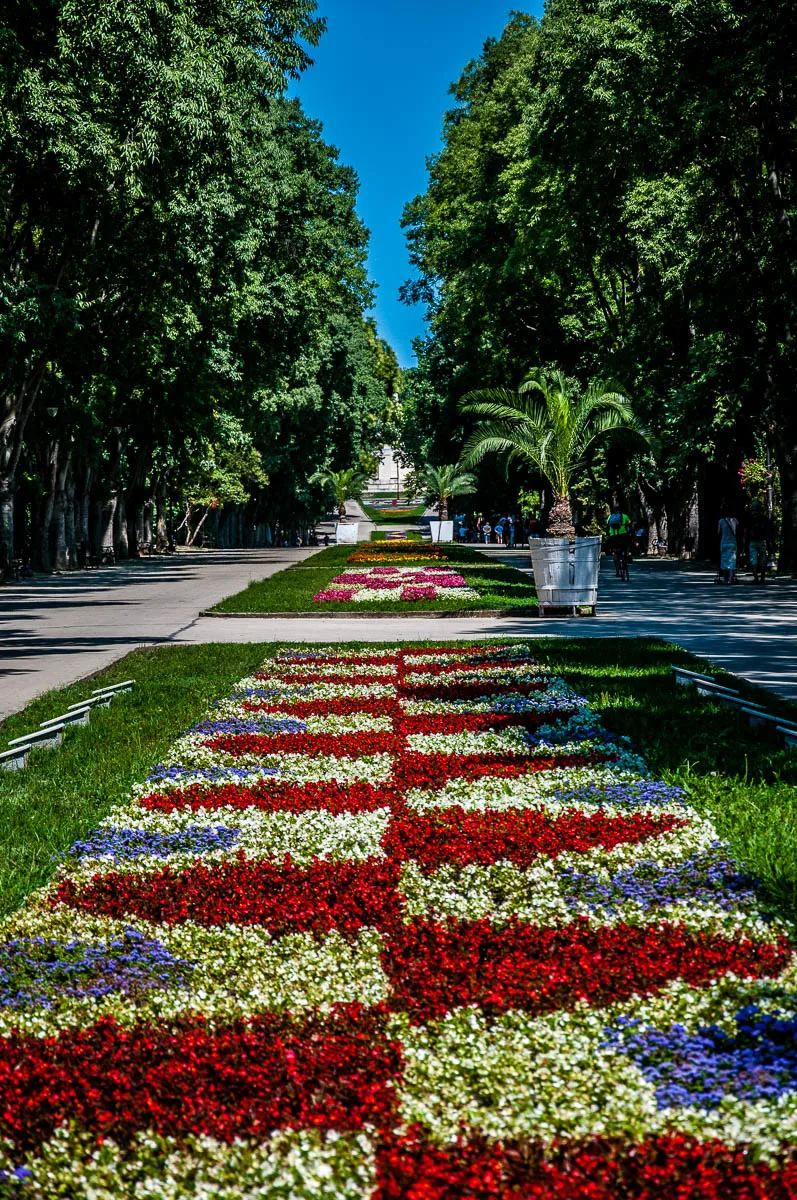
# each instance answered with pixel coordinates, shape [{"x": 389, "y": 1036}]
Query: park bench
[
  {"x": 101, "y": 701},
  {"x": 756, "y": 714},
  {"x": 115, "y": 689},
  {"x": 53, "y": 735},
  {"x": 74, "y": 716},
  {"x": 687, "y": 678},
  {"x": 51, "y": 732},
  {"x": 15, "y": 759}
]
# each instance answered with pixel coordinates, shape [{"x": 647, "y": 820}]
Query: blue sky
[{"x": 380, "y": 87}]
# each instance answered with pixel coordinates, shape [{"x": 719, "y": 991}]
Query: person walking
[
  {"x": 487, "y": 529},
  {"x": 760, "y": 542},
  {"x": 512, "y": 531},
  {"x": 618, "y": 535},
  {"x": 729, "y": 548}
]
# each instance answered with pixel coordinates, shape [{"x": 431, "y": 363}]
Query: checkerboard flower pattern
[
  {"x": 393, "y": 583},
  {"x": 399, "y": 924}
]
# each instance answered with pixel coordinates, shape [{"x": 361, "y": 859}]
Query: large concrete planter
[
  {"x": 565, "y": 572},
  {"x": 347, "y": 535},
  {"x": 442, "y": 531}
]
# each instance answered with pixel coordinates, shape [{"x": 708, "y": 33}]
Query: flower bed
[
  {"x": 396, "y": 552},
  {"x": 397, "y": 583},
  {"x": 399, "y": 924}
]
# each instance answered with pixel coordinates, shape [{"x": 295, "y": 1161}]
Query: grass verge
[
  {"x": 64, "y": 792},
  {"x": 292, "y": 590},
  {"x": 743, "y": 779}
]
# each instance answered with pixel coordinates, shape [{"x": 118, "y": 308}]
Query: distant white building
[{"x": 390, "y": 477}]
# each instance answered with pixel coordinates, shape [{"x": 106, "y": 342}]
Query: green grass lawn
[
  {"x": 387, "y": 516},
  {"x": 292, "y": 590},
  {"x": 65, "y": 791},
  {"x": 744, "y": 780}
]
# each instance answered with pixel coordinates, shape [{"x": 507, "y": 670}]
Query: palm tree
[
  {"x": 551, "y": 427},
  {"x": 441, "y": 483},
  {"x": 346, "y": 485}
]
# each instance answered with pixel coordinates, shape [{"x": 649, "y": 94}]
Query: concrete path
[
  {"x": 749, "y": 630},
  {"x": 59, "y": 628},
  {"x": 56, "y": 630}
]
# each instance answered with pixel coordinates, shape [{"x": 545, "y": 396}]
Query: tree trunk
[
  {"x": 135, "y": 498},
  {"x": 57, "y": 532},
  {"x": 161, "y": 529},
  {"x": 7, "y": 489},
  {"x": 70, "y": 527},
  {"x": 106, "y": 535},
  {"x": 786, "y": 457},
  {"x": 120, "y": 528},
  {"x": 49, "y": 471},
  {"x": 560, "y": 519},
  {"x": 83, "y": 511},
  {"x": 193, "y": 536},
  {"x": 15, "y": 408}
]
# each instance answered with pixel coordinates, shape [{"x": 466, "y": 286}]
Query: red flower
[
  {"x": 454, "y": 835},
  {"x": 272, "y": 796},
  {"x": 434, "y": 770},
  {"x": 283, "y": 898},
  {"x": 341, "y": 745},
  {"x": 457, "y": 722},
  {"x": 381, "y": 706},
  {"x": 242, "y": 1080},
  {"x": 663, "y": 1168},
  {"x": 322, "y": 676},
  {"x": 435, "y": 967}
]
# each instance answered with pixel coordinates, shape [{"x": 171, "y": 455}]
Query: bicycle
[{"x": 621, "y": 560}]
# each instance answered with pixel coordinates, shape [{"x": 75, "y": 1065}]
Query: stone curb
[{"x": 420, "y": 613}]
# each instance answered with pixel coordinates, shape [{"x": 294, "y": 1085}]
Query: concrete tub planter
[
  {"x": 442, "y": 531},
  {"x": 347, "y": 535},
  {"x": 565, "y": 572}
]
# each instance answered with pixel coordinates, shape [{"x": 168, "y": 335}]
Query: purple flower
[
  {"x": 637, "y": 793},
  {"x": 164, "y": 774},
  {"x": 262, "y": 725},
  {"x": 702, "y": 879},
  {"x": 756, "y": 1062},
  {"x": 37, "y": 971},
  {"x": 134, "y": 843}
]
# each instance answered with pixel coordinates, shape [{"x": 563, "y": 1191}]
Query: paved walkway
[
  {"x": 59, "y": 628},
  {"x": 751, "y": 631},
  {"x": 56, "y": 630}
]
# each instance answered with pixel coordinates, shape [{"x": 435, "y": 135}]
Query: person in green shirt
[{"x": 618, "y": 534}]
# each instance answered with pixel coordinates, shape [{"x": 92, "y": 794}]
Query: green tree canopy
[
  {"x": 441, "y": 484},
  {"x": 615, "y": 195},
  {"x": 549, "y": 426}
]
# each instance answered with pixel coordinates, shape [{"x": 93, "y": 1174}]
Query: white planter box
[
  {"x": 442, "y": 531},
  {"x": 347, "y": 535},
  {"x": 565, "y": 572}
]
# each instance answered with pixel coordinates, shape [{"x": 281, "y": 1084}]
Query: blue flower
[
  {"x": 708, "y": 878},
  {"x": 264, "y": 725},
  {"x": 757, "y": 1062},
  {"x": 134, "y": 843},
  {"x": 35, "y": 971},
  {"x": 637, "y": 793}
]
